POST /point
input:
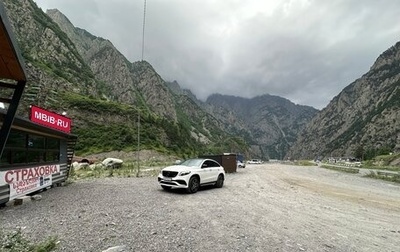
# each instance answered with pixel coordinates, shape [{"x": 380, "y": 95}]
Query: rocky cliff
[
  {"x": 270, "y": 124},
  {"x": 126, "y": 82},
  {"x": 53, "y": 63},
  {"x": 72, "y": 70},
  {"x": 363, "y": 118}
]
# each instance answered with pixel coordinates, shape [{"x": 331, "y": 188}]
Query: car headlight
[{"x": 184, "y": 173}]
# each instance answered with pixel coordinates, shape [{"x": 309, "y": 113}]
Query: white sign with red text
[{"x": 27, "y": 180}]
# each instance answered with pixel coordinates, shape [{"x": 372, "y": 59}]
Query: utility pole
[
  {"x": 138, "y": 146},
  {"x": 144, "y": 25}
]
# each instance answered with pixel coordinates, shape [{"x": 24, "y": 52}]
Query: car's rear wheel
[
  {"x": 166, "y": 188},
  {"x": 194, "y": 185},
  {"x": 220, "y": 181}
]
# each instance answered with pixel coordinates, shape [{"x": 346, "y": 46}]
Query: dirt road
[{"x": 267, "y": 207}]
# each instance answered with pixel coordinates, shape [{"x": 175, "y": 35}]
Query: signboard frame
[{"x": 50, "y": 119}]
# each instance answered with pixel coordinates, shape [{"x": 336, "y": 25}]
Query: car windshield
[{"x": 192, "y": 162}]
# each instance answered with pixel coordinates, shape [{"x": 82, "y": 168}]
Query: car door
[
  {"x": 216, "y": 170},
  {"x": 207, "y": 171},
  {"x": 213, "y": 170}
]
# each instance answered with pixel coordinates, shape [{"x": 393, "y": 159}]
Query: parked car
[
  {"x": 191, "y": 174},
  {"x": 255, "y": 161},
  {"x": 241, "y": 164}
]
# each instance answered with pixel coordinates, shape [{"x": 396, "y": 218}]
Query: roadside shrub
[
  {"x": 342, "y": 169},
  {"x": 16, "y": 242},
  {"x": 388, "y": 177}
]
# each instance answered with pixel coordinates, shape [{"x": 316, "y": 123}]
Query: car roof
[
  {"x": 203, "y": 159},
  {"x": 199, "y": 159}
]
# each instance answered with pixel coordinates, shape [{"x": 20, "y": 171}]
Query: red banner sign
[{"x": 50, "y": 119}]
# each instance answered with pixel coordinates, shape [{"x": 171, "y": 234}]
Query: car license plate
[{"x": 167, "y": 179}]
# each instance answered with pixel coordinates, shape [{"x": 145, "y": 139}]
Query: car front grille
[
  {"x": 169, "y": 174},
  {"x": 182, "y": 182},
  {"x": 173, "y": 182}
]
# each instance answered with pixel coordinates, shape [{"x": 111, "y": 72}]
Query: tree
[{"x": 359, "y": 152}]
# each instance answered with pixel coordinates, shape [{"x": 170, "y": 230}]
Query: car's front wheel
[
  {"x": 194, "y": 185},
  {"x": 220, "y": 181}
]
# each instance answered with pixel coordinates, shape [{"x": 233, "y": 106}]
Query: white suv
[{"x": 191, "y": 174}]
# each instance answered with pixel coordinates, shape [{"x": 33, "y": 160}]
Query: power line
[{"x": 144, "y": 25}]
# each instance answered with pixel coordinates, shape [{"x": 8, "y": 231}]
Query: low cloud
[{"x": 304, "y": 50}]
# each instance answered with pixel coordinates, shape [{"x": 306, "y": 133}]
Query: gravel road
[{"x": 268, "y": 207}]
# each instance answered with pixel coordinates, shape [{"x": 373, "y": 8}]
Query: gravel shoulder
[{"x": 269, "y": 207}]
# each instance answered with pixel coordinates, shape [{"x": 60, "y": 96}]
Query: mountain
[
  {"x": 126, "y": 82},
  {"x": 176, "y": 89},
  {"x": 363, "y": 120},
  {"x": 71, "y": 70},
  {"x": 270, "y": 124}
]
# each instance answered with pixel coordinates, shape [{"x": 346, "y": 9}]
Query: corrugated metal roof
[{"x": 11, "y": 63}]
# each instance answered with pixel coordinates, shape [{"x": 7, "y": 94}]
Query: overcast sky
[{"x": 304, "y": 50}]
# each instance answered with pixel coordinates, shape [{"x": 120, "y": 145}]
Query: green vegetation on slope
[{"x": 104, "y": 126}]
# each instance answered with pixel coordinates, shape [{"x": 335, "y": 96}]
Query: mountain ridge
[
  {"x": 102, "y": 91},
  {"x": 269, "y": 123},
  {"x": 72, "y": 70},
  {"x": 362, "y": 119}
]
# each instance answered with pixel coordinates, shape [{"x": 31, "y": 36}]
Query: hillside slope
[
  {"x": 364, "y": 119},
  {"x": 270, "y": 124},
  {"x": 71, "y": 70},
  {"x": 125, "y": 82}
]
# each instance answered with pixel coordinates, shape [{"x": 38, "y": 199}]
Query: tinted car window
[{"x": 210, "y": 163}]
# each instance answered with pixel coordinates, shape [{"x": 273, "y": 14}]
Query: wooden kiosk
[{"x": 35, "y": 153}]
